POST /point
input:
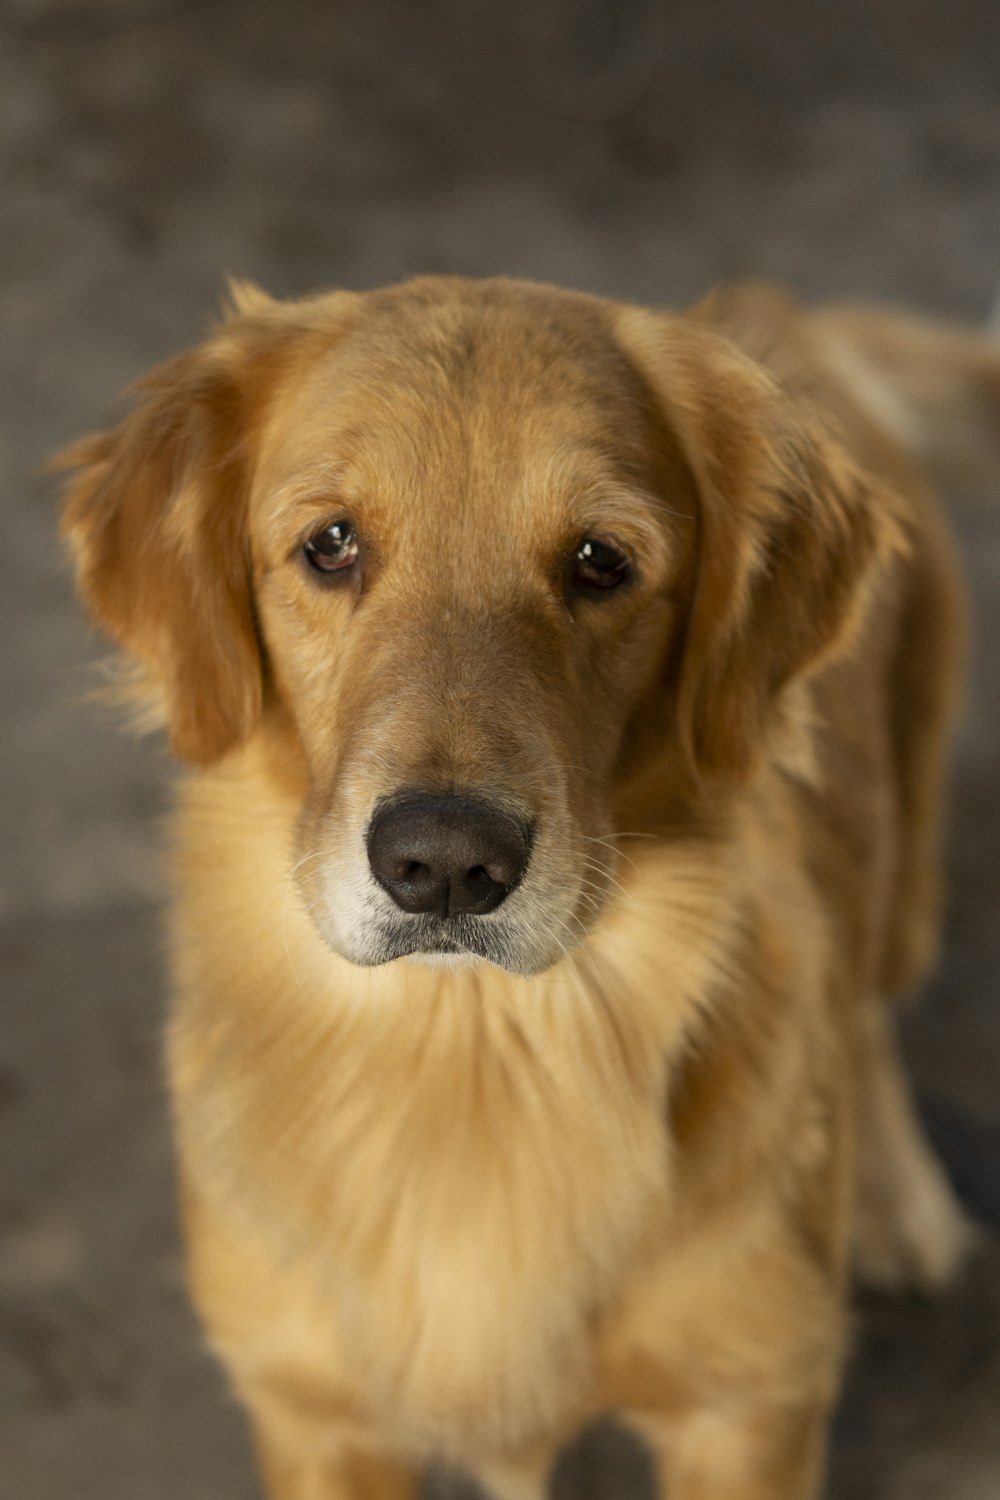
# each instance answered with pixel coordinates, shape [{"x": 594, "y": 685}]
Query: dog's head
[{"x": 478, "y": 557}]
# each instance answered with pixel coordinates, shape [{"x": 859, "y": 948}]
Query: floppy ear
[
  {"x": 793, "y": 539},
  {"x": 156, "y": 518}
]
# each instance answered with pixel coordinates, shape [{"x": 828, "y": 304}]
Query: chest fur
[{"x": 469, "y": 1190}]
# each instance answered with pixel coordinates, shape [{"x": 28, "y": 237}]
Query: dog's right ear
[
  {"x": 793, "y": 539},
  {"x": 156, "y": 516}
]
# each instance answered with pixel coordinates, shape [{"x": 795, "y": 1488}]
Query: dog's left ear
[
  {"x": 156, "y": 515},
  {"x": 793, "y": 538}
]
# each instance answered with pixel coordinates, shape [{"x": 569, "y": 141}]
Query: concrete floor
[{"x": 145, "y": 148}]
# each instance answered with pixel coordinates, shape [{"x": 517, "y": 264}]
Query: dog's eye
[
  {"x": 333, "y": 548},
  {"x": 599, "y": 565}
]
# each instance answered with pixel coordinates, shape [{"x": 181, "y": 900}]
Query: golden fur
[{"x": 616, "y": 1157}]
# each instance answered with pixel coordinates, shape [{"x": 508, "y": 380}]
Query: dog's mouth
[{"x": 432, "y": 936}]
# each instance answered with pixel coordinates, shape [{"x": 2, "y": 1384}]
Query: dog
[{"x": 566, "y": 689}]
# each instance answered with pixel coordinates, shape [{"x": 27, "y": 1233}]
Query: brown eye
[
  {"x": 599, "y": 565},
  {"x": 334, "y": 548}
]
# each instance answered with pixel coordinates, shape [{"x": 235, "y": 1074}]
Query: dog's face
[
  {"x": 481, "y": 552},
  {"x": 464, "y": 567}
]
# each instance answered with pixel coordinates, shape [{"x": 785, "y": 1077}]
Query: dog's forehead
[
  {"x": 475, "y": 382},
  {"x": 460, "y": 335}
]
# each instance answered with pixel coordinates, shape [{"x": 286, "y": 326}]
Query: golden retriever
[{"x": 569, "y": 687}]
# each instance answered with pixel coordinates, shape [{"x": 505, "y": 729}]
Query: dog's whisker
[
  {"x": 596, "y": 867},
  {"x": 606, "y": 844}
]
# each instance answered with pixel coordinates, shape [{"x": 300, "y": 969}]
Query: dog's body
[{"x": 678, "y": 640}]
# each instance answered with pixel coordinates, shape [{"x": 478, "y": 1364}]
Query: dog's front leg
[
  {"x": 274, "y": 1329},
  {"x": 754, "y": 1454},
  {"x": 345, "y": 1473},
  {"x": 728, "y": 1365}
]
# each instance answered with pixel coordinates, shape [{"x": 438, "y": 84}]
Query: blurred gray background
[{"x": 639, "y": 149}]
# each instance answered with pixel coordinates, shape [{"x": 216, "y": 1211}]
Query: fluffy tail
[{"x": 936, "y": 388}]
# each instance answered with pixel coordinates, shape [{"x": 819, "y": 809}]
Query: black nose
[{"x": 447, "y": 854}]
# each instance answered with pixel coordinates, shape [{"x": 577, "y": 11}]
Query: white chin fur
[{"x": 446, "y": 960}]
